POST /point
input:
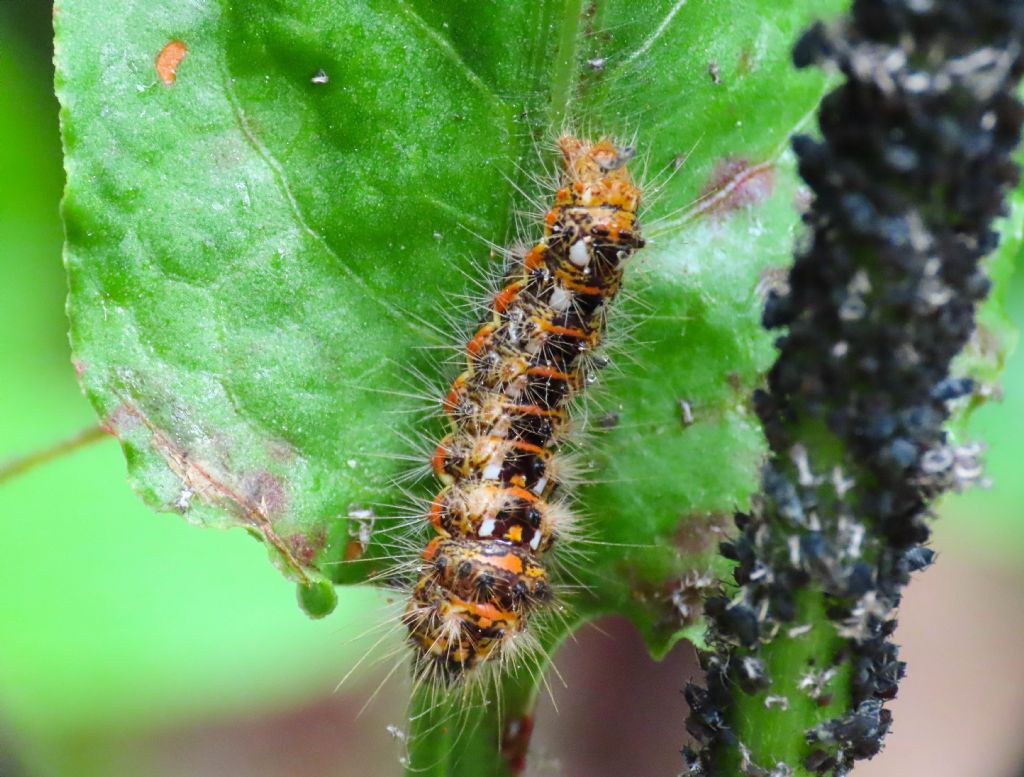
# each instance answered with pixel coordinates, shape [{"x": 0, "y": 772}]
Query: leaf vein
[
  {"x": 658, "y": 31},
  {"x": 448, "y": 50},
  {"x": 296, "y": 210}
]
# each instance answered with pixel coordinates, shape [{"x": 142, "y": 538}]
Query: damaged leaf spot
[
  {"x": 515, "y": 742},
  {"x": 168, "y": 59},
  {"x": 697, "y": 533},
  {"x": 306, "y": 546},
  {"x": 255, "y": 498},
  {"x": 687, "y": 595},
  {"x": 735, "y": 184}
]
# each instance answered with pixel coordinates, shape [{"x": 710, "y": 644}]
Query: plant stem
[
  {"x": 19, "y": 465},
  {"x": 912, "y": 170},
  {"x": 482, "y": 727},
  {"x": 563, "y": 71}
]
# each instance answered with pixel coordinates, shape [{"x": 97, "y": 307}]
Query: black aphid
[{"x": 912, "y": 169}]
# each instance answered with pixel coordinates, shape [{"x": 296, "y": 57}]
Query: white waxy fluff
[
  {"x": 579, "y": 254},
  {"x": 560, "y": 299},
  {"x": 535, "y": 540},
  {"x": 493, "y": 469}
]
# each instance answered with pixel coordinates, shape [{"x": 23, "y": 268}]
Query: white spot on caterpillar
[
  {"x": 560, "y": 298},
  {"x": 579, "y": 254}
]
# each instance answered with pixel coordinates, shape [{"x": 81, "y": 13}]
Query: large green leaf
[
  {"x": 116, "y": 621},
  {"x": 258, "y": 257},
  {"x": 264, "y": 245}
]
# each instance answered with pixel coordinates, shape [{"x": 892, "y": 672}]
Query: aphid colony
[
  {"x": 879, "y": 302},
  {"x": 498, "y": 514}
]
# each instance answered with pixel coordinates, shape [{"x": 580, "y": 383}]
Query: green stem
[
  {"x": 482, "y": 727},
  {"x": 563, "y": 73},
  {"x": 809, "y": 686}
]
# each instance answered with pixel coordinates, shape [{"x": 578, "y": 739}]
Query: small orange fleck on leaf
[
  {"x": 354, "y": 550},
  {"x": 168, "y": 59}
]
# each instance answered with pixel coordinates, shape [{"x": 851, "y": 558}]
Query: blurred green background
[{"x": 132, "y": 643}]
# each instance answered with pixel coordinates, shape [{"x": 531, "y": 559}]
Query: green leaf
[
  {"x": 256, "y": 260},
  {"x": 263, "y": 248},
  {"x": 984, "y": 359},
  {"x": 116, "y": 622}
]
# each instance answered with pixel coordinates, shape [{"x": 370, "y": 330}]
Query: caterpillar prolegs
[{"x": 497, "y": 515}]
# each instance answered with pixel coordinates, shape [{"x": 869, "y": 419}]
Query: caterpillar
[{"x": 498, "y": 513}]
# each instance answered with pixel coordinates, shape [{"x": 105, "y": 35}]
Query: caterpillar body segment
[{"x": 498, "y": 513}]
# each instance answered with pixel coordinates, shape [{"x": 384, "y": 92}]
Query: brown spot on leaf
[
  {"x": 747, "y": 62},
  {"x": 168, "y": 59},
  {"x": 772, "y": 279},
  {"x": 515, "y": 742},
  {"x": 735, "y": 184},
  {"x": 699, "y": 533},
  {"x": 306, "y": 546},
  {"x": 354, "y": 550},
  {"x": 803, "y": 198},
  {"x": 687, "y": 595},
  {"x": 255, "y": 498},
  {"x": 121, "y": 421},
  {"x": 265, "y": 491}
]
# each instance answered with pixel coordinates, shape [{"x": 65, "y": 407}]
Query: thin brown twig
[{"x": 19, "y": 465}]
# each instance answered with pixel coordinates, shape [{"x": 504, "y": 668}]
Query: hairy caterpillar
[{"x": 497, "y": 514}]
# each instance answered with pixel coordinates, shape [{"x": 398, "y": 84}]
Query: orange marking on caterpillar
[
  {"x": 454, "y": 398},
  {"x": 522, "y": 493},
  {"x": 568, "y": 331},
  {"x": 506, "y": 296},
  {"x": 536, "y": 410},
  {"x": 486, "y": 611},
  {"x": 529, "y": 447},
  {"x": 580, "y": 288},
  {"x": 439, "y": 459},
  {"x": 437, "y": 512},
  {"x": 430, "y": 552},
  {"x": 509, "y": 562},
  {"x": 549, "y": 372},
  {"x": 535, "y": 259},
  {"x": 479, "y": 342},
  {"x": 483, "y": 575}
]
